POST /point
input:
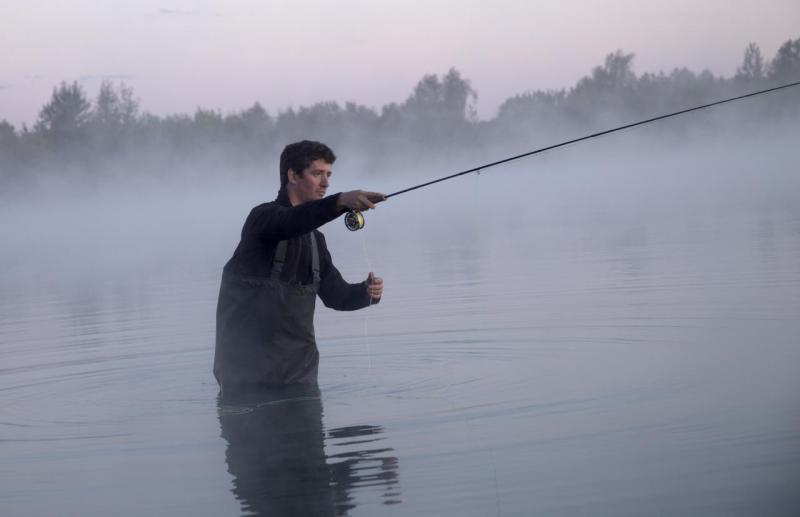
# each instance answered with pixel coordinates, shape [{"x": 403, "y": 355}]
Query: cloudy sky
[{"x": 178, "y": 55}]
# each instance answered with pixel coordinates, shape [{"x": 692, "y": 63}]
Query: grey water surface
[{"x": 630, "y": 349}]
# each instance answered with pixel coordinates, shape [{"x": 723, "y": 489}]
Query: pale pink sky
[{"x": 178, "y": 55}]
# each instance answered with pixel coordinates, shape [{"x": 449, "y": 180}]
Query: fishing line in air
[{"x": 366, "y": 313}]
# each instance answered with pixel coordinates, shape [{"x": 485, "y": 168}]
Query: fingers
[
  {"x": 368, "y": 199},
  {"x": 360, "y": 199},
  {"x": 376, "y": 197},
  {"x": 374, "y": 286},
  {"x": 363, "y": 201}
]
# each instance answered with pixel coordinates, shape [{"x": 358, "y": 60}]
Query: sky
[{"x": 182, "y": 54}]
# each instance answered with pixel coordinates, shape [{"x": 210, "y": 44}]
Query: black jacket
[{"x": 269, "y": 223}]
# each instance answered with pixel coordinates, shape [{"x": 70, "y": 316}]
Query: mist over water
[{"x": 609, "y": 329}]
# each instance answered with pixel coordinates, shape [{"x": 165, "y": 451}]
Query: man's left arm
[{"x": 340, "y": 295}]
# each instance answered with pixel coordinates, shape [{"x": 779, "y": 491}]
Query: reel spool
[{"x": 354, "y": 220}]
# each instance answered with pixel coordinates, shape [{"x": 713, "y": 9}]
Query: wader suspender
[{"x": 280, "y": 259}]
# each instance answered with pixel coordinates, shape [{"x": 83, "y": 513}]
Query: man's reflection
[{"x": 276, "y": 454}]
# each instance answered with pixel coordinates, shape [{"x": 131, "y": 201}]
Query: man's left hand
[{"x": 374, "y": 286}]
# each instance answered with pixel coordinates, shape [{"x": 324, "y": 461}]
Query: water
[{"x": 607, "y": 360}]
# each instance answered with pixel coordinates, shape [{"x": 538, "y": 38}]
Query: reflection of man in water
[
  {"x": 276, "y": 455},
  {"x": 265, "y": 312}
]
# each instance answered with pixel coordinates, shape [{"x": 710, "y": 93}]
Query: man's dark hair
[{"x": 299, "y": 155}]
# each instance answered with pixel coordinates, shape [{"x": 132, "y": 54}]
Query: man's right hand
[{"x": 359, "y": 200}]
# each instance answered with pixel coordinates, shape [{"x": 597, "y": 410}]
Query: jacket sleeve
[
  {"x": 334, "y": 291},
  {"x": 274, "y": 222}
]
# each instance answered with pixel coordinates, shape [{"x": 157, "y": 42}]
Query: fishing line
[
  {"x": 354, "y": 220},
  {"x": 366, "y": 314}
]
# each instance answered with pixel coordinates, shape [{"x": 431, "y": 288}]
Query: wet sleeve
[
  {"x": 273, "y": 222},
  {"x": 334, "y": 291}
]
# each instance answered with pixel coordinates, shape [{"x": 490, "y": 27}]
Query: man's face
[{"x": 312, "y": 184}]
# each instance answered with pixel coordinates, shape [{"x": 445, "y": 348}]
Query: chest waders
[{"x": 265, "y": 327}]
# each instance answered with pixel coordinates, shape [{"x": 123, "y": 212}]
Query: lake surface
[{"x": 611, "y": 360}]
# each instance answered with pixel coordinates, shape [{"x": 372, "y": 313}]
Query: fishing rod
[{"x": 354, "y": 220}]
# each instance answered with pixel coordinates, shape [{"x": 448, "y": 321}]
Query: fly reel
[{"x": 354, "y": 220}]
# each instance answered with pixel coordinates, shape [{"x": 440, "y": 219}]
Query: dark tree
[
  {"x": 438, "y": 112},
  {"x": 115, "y": 108},
  {"x": 114, "y": 116},
  {"x": 786, "y": 65},
  {"x": 752, "y": 68},
  {"x": 8, "y": 135},
  {"x": 608, "y": 90},
  {"x": 531, "y": 112},
  {"x": 9, "y": 146},
  {"x": 252, "y": 124},
  {"x": 64, "y": 119},
  {"x": 451, "y": 98}
]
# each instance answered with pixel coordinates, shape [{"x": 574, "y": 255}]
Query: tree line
[{"x": 98, "y": 139}]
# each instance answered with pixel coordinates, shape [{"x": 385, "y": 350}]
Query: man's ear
[{"x": 291, "y": 176}]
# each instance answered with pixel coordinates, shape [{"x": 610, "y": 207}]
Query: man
[{"x": 265, "y": 312}]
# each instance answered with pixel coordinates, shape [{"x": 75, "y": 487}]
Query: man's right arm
[{"x": 276, "y": 222}]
